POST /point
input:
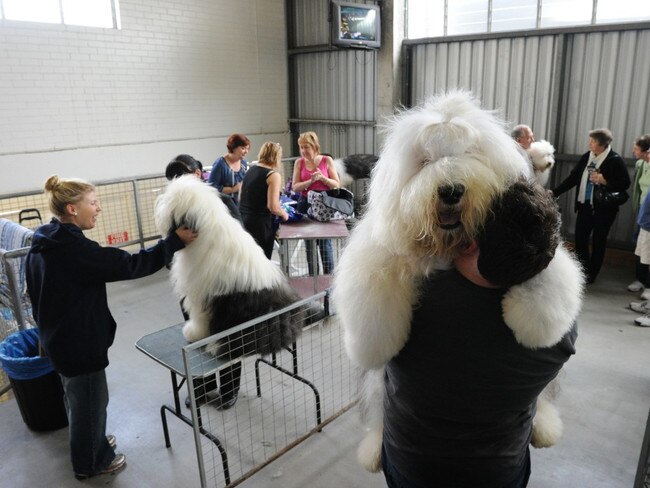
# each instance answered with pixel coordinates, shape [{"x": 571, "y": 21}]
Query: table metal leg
[
  {"x": 177, "y": 412},
  {"x": 293, "y": 375},
  {"x": 285, "y": 260}
]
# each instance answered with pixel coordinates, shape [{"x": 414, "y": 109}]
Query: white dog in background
[
  {"x": 442, "y": 165},
  {"x": 224, "y": 276},
  {"x": 541, "y": 154}
]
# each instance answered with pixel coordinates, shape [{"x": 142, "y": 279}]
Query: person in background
[
  {"x": 229, "y": 170},
  {"x": 185, "y": 164},
  {"x": 642, "y": 253},
  {"x": 259, "y": 197},
  {"x": 598, "y": 166},
  {"x": 313, "y": 171},
  {"x": 524, "y": 137},
  {"x": 641, "y": 152},
  {"x": 66, "y": 276},
  {"x": 460, "y": 396}
]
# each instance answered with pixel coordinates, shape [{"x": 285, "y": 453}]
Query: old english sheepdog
[
  {"x": 541, "y": 154},
  {"x": 354, "y": 167},
  {"x": 441, "y": 166},
  {"x": 224, "y": 276}
]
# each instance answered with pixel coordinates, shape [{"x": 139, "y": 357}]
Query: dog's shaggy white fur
[
  {"x": 442, "y": 165},
  {"x": 541, "y": 154},
  {"x": 223, "y": 276}
]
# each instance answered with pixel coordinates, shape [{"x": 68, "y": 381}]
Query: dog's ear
[{"x": 162, "y": 215}]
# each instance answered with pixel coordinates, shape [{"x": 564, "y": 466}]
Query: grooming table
[
  {"x": 309, "y": 230},
  {"x": 166, "y": 348}
]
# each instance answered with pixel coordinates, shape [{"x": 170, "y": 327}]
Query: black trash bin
[{"x": 36, "y": 385}]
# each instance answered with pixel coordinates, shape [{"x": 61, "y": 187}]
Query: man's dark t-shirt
[{"x": 460, "y": 396}]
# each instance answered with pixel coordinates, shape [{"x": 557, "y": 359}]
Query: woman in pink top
[{"x": 313, "y": 171}]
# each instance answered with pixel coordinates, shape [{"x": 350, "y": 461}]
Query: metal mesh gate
[{"x": 283, "y": 398}]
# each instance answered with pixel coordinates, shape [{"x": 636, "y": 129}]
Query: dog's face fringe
[
  {"x": 448, "y": 142},
  {"x": 542, "y": 155},
  {"x": 442, "y": 227}
]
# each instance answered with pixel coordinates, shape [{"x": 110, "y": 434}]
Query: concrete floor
[{"x": 604, "y": 403}]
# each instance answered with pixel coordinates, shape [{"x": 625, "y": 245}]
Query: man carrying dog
[{"x": 460, "y": 396}]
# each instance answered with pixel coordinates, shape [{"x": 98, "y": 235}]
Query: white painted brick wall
[{"x": 180, "y": 76}]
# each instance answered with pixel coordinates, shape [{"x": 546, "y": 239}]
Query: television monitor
[{"x": 355, "y": 25}]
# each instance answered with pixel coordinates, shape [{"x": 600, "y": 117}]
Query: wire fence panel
[
  {"x": 147, "y": 192},
  {"x": 283, "y": 397},
  {"x": 127, "y": 218}
]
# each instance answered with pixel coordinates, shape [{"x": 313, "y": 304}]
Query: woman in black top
[
  {"x": 598, "y": 166},
  {"x": 260, "y": 197}
]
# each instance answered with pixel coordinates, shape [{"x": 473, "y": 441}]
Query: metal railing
[{"x": 284, "y": 397}]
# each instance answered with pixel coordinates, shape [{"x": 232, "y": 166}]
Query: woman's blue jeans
[
  {"x": 86, "y": 399},
  {"x": 326, "y": 254}
]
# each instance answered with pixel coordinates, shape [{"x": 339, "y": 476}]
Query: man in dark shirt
[{"x": 460, "y": 396}]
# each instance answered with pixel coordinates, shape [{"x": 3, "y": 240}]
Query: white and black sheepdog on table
[
  {"x": 442, "y": 165},
  {"x": 354, "y": 167},
  {"x": 224, "y": 277}
]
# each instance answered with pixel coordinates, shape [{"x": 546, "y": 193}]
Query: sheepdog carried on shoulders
[
  {"x": 442, "y": 166},
  {"x": 224, "y": 277}
]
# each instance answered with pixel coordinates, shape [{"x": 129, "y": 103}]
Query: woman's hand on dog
[{"x": 186, "y": 234}]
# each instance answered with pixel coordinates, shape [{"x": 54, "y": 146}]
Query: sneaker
[
  {"x": 645, "y": 295},
  {"x": 116, "y": 466},
  {"x": 643, "y": 321},
  {"x": 635, "y": 286},
  {"x": 640, "y": 307},
  {"x": 112, "y": 440}
]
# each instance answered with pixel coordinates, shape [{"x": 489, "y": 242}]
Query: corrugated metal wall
[
  {"x": 562, "y": 83},
  {"x": 517, "y": 76},
  {"x": 309, "y": 23},
  {"x": 607, "y": 85},
  {"x": 332, "y": 91}
]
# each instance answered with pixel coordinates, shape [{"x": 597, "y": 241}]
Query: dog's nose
[{"x": 451, "y": 194}]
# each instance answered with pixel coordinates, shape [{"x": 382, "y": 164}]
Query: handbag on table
[{"x": 335, "y": 204}]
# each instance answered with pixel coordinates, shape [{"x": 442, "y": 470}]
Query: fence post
[{"x": 138, "y": 216}]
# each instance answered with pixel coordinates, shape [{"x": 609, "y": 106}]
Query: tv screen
[{"x": 355, "y": 25}]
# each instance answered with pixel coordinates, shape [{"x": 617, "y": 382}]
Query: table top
[
  {"x": 307, "y": 286},
  {"x": 166, "y": 347},
  {"x": 312, "y": 229}
]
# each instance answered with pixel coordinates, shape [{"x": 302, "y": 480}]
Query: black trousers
[{"x": 592, "y": 225}]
